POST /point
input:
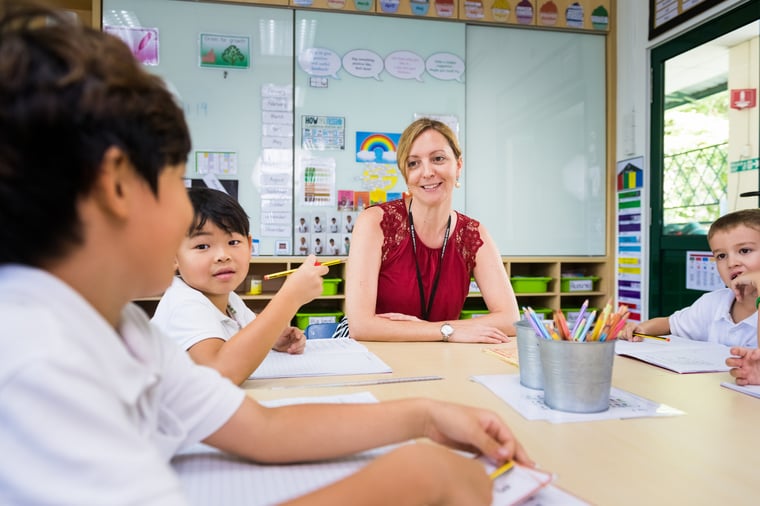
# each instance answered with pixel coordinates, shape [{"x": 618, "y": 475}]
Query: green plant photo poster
[{"x": 225, "y": 51}]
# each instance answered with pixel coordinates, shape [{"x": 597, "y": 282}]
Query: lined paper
[
  {"x": 680, "y": 354},
  {"x": 322, "y": 357},
  {"x": 210, "y": 477}
]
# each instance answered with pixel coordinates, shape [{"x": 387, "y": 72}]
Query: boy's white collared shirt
[
  {"x": 188, "y": 317},
  {"x": 709, "y": 319}
]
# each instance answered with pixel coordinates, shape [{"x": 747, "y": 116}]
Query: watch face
[{"x": 447, "y": 329}]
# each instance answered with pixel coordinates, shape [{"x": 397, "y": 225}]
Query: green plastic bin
[
  {"x": 303, "y": 320},
  {"x": 528, "y": 284},
  {"x": 571, "y": 284},
  {"x": 330, "y": 286}
]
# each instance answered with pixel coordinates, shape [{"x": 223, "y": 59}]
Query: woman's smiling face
[{"x": 432, "y": 168}]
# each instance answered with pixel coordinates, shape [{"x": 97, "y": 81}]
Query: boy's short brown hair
[{"x": 747, "y": 217}]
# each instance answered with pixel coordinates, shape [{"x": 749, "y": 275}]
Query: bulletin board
[
  {"x": 301, "y": 117},
  {"x": 224, "y": 100},
  {"x": 359, "y": 81}
]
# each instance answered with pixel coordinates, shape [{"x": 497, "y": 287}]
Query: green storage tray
[
  {"x": 543, "y": 313},
  {"x": 527, "y": 284},
  {"x": 330, "y": 285},
  {"x": 472, "y": 313},
  {"x": 577, "y": 283},
  {"x": 303, "y": 320},
  {"x": 571, "y": 313}
]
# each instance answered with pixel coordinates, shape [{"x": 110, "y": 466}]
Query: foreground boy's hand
[
  {"x": 474, "y": 430},
  {"x": 745, "y": 365},
  {"x": 292, "y": 340},
  {"x": 412, "y": 474}
]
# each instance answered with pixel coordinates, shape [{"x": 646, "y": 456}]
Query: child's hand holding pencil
[
  {"x": 301, "y": 285},
  {"x": 282, "y": 274}
]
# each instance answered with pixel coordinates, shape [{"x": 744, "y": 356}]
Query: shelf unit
[
  {"x": 556, "y": 269},
  {"x": 552, "y": 298}
]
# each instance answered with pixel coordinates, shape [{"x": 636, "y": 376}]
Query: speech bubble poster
[
  {"x": 225, "y": 51},
  {"x": 376, "y": 147},
  {"x": 320, "y": 62}
]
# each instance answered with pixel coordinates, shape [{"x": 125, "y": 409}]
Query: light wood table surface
[{"x": 709, "y": 456}]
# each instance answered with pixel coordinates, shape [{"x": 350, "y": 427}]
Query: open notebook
[
  {"x": 210, "y": 477},
  {"x": 680, "y": 354},
  {"x": 322, "y": 357},
  {"x": 752, "y": 390}
]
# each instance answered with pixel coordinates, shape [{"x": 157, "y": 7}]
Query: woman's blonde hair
[{"x": 415, "y": 130}]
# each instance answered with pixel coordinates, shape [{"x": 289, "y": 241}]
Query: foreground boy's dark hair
[{"x": 67, "y": 94}]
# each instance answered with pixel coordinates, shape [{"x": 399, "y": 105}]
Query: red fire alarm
[{"x": 745, "y": 98}]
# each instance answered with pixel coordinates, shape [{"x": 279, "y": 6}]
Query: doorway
[{"x": 694, "y": 140}]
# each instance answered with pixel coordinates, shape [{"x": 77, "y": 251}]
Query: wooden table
[{"x": 710, "y": 455}]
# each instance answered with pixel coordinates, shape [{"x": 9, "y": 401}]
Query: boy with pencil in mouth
[
  {"x": 202, "y": 312},
  {"x": 728, "y": 315},
  {"x": 95, "y": 399}
]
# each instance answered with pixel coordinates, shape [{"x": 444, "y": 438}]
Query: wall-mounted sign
[
  {"x": 667, "y": 14},
  {"x": 745, "y": 98}
]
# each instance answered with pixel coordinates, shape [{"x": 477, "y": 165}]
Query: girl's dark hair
[{"x": 67, "y": 94}]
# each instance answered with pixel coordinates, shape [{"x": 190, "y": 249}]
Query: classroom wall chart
[{"x": 631, "y": 267}]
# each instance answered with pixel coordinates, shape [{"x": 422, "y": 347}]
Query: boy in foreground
[
  {"x": 201, "y": 311},
  {"x": 95, "y": 400}
]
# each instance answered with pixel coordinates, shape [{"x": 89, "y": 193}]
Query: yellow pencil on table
[
  {"x": 503, "y": 469},
  {"x": 291, "y": 271},
  {"x": 647, "y": 336}
]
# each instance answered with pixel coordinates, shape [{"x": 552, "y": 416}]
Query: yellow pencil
[
  {"x": 647, "y": 336},
  {"x": 503, "y": 469},
  {"x": 291, "y": 271}
]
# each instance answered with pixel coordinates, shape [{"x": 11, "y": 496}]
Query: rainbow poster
[{"x": 376, "y": 147}]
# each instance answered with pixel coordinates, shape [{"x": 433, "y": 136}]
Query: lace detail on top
[
  {"x": 467, "y": 240},
  {"x": 394, "y": 225}
]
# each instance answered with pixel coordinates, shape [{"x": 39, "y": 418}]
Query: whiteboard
[{"x": 535, "y": 155}]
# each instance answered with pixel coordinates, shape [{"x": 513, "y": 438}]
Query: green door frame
[{"x": 667, "y": 289}]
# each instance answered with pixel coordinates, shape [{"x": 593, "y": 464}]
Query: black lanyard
[{"x": 426, "y": 308}]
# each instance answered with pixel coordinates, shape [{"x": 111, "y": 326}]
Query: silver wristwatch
[{"x": 446, "y": 332}]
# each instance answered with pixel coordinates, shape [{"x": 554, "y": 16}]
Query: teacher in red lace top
[{"x": 411, "y": 260}]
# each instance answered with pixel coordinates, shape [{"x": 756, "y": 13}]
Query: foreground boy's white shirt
[{"x": 89, "y": 416}]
